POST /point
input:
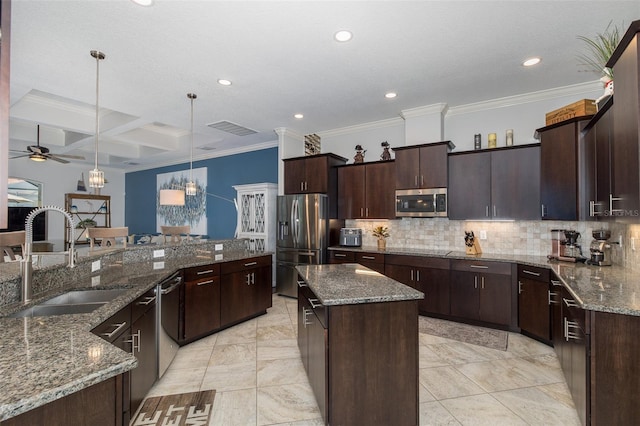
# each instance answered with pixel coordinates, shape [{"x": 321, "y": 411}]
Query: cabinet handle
[
  {"x": 248, "y": 279},
  {"x": 339, "y": 255},
  {"x": 205, "y": 282},
  {"x": 552, "y": 294},
  {"x": 302, "y": 284},
  {"x": 250, "y": 264},
  {"x": 495, "y": 211},
  {"x": 305, "y": 314},
  {"x": 611, "y": 200},
  {"x": 421, "y": 180},
  {"x": 592, "y": 209},
  {"x": 118, "y": 327},
  {"x": 147, "y": 301},
  {"x": 315, "y": 303},
  {"x": 301, "y": 186},
  {"x": 367, "y": 212},
  {"x": 208, "y": 271},
  {"x": 361, "y": 212},
  {"x": 133, "y": 342},
  {"x": 306, "y": 185},
  {"x": 571, "y": 325},
  {"x": 535, "y": 274},
  {"x": 412, "y": 275},
  {"x": 253, "y": 278},
  {"x": 368, "y": 257},
  {"x": 417, "y": 274},
  {"x": 416, "y": 180},
  {"x": 482, "y": 281},
  {"x": 486, "y": 211},
  {"x": 556, "y": 283},
  {"x": 519, "y": 287},
  {"x": 475, "y": 281},
  {"x": 542, "y": 210},
  {"x": 479, "y": 266},
  {"x": 570, "y": 303}
]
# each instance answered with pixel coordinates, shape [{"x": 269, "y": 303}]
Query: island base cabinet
[{"x": 361, "y": 359}]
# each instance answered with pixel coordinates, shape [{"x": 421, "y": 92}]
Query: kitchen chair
[
  {"x": 9, "y": 240},
  {"x": 174, "y": 232},
  {"x": 107, "y": 236}
]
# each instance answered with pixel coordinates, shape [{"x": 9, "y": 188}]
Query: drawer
[
  {"x": 318, "y": 309},
  {"x": 198, "y": 272},
  {"x": 417, "y": 261},
  {"x": 369, "y": 257},
  {"x": 118, "y": 323},
  {"x": 480, "y": 266},
  {"x": 142, "y": 304},
  {"x": 341, "y": 256},
  {"x": 533, "y": 273},
  {"x": 244, "y": 264}
]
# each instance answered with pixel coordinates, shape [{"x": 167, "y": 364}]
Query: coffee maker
[
  {"x": 600, "y": 248},
  {"x": 565, "y": 247}
]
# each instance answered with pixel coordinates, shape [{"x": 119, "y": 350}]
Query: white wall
[{"x": 59, "y": 179}]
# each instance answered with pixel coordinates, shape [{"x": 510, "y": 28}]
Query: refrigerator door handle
[
  {"x": 295, "y": 222},
  {"x": 283, "y": 230}
]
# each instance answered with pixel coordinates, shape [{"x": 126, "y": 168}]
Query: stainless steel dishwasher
[{"x": 168, "y": 320}]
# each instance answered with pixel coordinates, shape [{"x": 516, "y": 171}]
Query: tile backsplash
[{"x": 517, "y": 237}]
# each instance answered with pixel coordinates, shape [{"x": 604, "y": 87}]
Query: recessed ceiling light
[
  {"x": 224, "y": 82},
  {"x": 531, "y": 62},
  {"x": 343, "y": 35},
  {"x": 390, "y": 95},
  {"x": 143, "y": 2},
  {"x": 298, "y": 116}
]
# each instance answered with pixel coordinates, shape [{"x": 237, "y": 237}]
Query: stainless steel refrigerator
[{"x": 303, "y": 236}]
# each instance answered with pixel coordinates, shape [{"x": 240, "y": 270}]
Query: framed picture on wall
[{"x": 193, "y": 213}]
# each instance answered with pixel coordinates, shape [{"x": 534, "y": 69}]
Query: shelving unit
[{"x": 86, "y": 206}]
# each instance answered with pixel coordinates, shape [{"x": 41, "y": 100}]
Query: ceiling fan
[{"x": 41, "y": 153}]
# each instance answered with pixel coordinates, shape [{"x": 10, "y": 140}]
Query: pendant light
[
  {"x": 190, "y": 187},
  {"x": 96, "y": 176}
]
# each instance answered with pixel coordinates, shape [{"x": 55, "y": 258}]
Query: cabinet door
[
  {"x": 495, "y": 298},
  {"x": 380, "y": 192},
  {"x": 407, "y": 275},
  {"x": 469, "y": 195},
  {"x": 602, "y": 176},
  {"x": 235, "y": 291},
  {"x": 408, "y": 170},
  {"x": 465, "y": 296},
  {"x": 337, "y": 256},
  {"x": 294, "y": 176},
  {"x": 434, "y": 283},
  {"x": 143, "y": 332},
  {"x": 318, "y": 354},
  {"x": 351, "y": 192},
  {"x": 433, "y": 166},
  {"x": 262, "y": 289},
  {"x": 316, "y": 175},
  {"x": 558, "y": 173},
  {"x": 201, "y": 306},
  {"x": 533, "y": 308},
  {"x": 373, "y": 261},
  {"x": 304, "y": 310},
  {"x": 515, "y": 183}
]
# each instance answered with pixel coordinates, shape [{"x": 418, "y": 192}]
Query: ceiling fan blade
[
  {"x": 19, "y": 152},
  {"x": 72, "y": 157},
  {"x": 55, "y": 158},
  {"x": 19, "y": 156}
]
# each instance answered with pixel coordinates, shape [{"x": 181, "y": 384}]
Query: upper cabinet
[
  {"x": 367, "y": 191},
  {"x": 598, "y": 139},
  {"x": 563, "y": 175},
  {"x": 422, "y": 166},
  {"x": 495, "y": 184}
]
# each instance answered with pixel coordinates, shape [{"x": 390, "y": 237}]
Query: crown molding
[
  {"x": 542, "y": 95},
  {"x": 373, "y": 125},
  {"x": 289, "y": 133},
  {"x": 440, "y": 108}
]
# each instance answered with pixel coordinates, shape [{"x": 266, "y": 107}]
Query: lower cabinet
[
  {"x": 429, "y": 275},
  {"x": 483, "y": 292},
  {"x": 534, "y": 316},
  {"x": 361, "y": 359},
  {"x": 201, "y": 301},
  {"x": 143, "y": 346},
  {"x": 245, "y": 289},
  {"x": 372, "y": 260}
]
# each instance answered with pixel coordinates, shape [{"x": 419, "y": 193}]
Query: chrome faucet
[{"x": 26, "y": 266}]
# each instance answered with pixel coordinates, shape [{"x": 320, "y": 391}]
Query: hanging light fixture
[
  {"x": 96, "y": 176},
  {"x": 190, "y": 187}
]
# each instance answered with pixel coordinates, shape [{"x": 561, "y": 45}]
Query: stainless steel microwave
[{"x": 430, "y": 202}]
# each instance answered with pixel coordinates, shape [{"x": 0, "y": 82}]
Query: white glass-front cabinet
[{"x": 257, "y": 216}]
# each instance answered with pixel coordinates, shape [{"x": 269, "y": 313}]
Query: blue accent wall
[{"x": 222, "y": 174}]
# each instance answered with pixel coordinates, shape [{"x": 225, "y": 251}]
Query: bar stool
[
  {"x": 107, "y": 236},
  {"x": 8, "y": 240},
  {"x": 174, "y": 232}
]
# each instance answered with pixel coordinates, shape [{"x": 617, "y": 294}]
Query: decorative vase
[{"x": 382, "y": 244}]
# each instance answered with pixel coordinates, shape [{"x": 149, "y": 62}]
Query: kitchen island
[{"x": 358, "y": 338}]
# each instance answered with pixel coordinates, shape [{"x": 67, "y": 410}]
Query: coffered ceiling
[{"x": 281, "y": 58}]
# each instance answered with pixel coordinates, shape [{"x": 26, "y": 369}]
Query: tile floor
[{"x": 256, "y": 370}]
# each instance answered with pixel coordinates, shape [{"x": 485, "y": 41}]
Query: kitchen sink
[{"x": 72, "y": 302}]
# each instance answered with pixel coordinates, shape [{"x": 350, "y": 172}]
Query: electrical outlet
[
  {"x": 218, "y": 247},
  {"x": 95, "y": 266},
  {"x": 158, "y": 253},
  {"x": 483, "y": 234},
  {"x": 158, "y": 265}
]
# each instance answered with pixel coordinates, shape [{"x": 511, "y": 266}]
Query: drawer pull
[
  {"x": 315, "y": 303},
  {"x": 302, "y": 284},
  {"x": 535, "y": 274},
  {"x": 339, "y": 255},
  {"x": 118, "y": 327},
  {"x": 147, "y": 301},
  {"x": 551, "y": 296},
  {"x": 556, "y": 283},
  {"x": 369, "y": 257},
  {"x": 250, "y": 264},
  {"x": 570, "y": 303},
  {"x": 479, "y": 266},
  {"x": 206, "y": 282},
  {"x": 208, "y": 271}
]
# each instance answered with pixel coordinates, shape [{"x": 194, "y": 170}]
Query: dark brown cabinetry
[
  {"x": 245, "y": 289},
  {"x": 351, "y": 386},
  {"x": 143, "y": 346},
  {"x": 497, "y": 184},
  {"x": 366, "y": 191},
  {"x": 341, "y": 256},
  {"x": 534, "y": 315},
  {"x": 598, "y": 139},
  {"x": 201, "y": 301},
  {"x": 422, "y": 166},
  {"x": 562, "y": 171},
  {"x": 371, "y": 260},
  {"x": 482, "y": 291},
  {"x": 429, "y": 275}
]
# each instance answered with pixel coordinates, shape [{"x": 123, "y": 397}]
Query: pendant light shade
[
  {"x": 96, "y": 176},
  {"x": 171, "y": 197},
  {"x": 190, "y": 187}
]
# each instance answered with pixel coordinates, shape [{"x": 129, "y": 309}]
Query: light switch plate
[
  {"x": 95, "y": 266},
  {"x": 483, "y": 234},
  {"x": 158, "y": 253},
  {"x": 218, "y": 257},
  {"x": 218, "y": 247},
  {"x": 158, "y": 265},
  {"x": 95, "y": 280}
]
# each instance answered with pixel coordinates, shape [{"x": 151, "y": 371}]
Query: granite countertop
[
  {"x": 45, "y": 358},
  {"x": 351, "y": 283},
  {"x": 598, "y": 288}
]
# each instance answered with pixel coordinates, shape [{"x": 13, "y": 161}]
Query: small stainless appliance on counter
[
  {"x": 600, "y": 248},
  {"x": 351, "y": 237}
]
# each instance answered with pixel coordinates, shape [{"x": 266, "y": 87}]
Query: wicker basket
[{"x": 576, "y": 109}]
